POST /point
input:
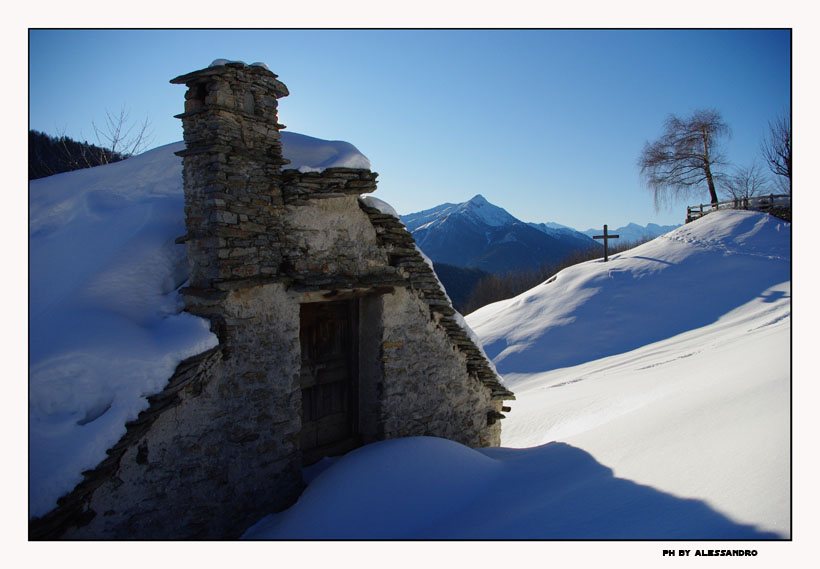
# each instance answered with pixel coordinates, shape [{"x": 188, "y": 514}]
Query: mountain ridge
[
  {"x": 633, "y": 233},
  {"x": 479, "y": 234}
]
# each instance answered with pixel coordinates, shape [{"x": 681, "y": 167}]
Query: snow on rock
[
  {"x": 106, "y": 321},
  {"x": 380, "y": 205},
  {"x": 218, "y": 62},
  {"x": 308, "y": 154}
]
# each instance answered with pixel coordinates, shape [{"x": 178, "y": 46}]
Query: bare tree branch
[
  {"x": 117, "y": 135},
  {"x": 685, "y": 158},
  {"x": 777, "y": 150},
  {"x": 747, "y": 182}
]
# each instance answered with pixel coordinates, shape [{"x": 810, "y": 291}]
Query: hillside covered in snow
[
  {"x": 653, "y": 391},
  {"x": 653, "y": 402},
  {"x": 106, "y": 321}
]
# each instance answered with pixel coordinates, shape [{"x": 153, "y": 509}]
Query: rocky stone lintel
[
  {"x": 331, "y": 182},
  {"x": 238, "y": 112}
]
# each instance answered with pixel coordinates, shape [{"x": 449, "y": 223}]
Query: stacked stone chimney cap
[{"x": 262, "y": 72}]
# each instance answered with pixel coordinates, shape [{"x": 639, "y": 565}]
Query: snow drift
[
  {"x": 685, "y": 279},
  {"x": 671, "y": 421},
  {"x": 670, "y": 364},
  {"x": 427, "y": 488},
  {"x": 652, "y": 391},
  {"x": 106, "y": 322},
  {"x": 308, "y": 154}
]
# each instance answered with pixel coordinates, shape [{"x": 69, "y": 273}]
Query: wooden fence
[{"x": 768, "y": 203}]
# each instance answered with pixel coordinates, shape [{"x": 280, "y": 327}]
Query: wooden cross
[{"x": 606, "y": 237}]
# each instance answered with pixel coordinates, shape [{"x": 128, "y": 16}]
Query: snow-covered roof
[
  {"x": 309, "y": 154},
  {"x": 106, "y": 321}
]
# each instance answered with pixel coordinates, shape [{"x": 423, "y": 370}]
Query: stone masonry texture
[{"x": 219, "y": 447}]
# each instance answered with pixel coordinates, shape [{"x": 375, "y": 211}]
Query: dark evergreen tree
[
  {"x": 49, "y": 155},
  {"x": 459, "y": 282},
  {"x": 493, "y": 288}
]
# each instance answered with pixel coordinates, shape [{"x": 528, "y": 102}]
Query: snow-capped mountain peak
[
  {"x": 482, "y": 211},
  {"x": 478, "y": 234}
]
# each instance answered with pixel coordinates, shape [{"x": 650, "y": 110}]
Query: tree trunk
[
  {"x": 711, "y": 183},
  {"x": 707, "y": 168}
]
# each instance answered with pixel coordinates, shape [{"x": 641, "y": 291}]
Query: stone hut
[{"x": 333, "y": 330}]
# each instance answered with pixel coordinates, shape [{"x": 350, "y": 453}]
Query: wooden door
[{"x": 329, "y": 378}]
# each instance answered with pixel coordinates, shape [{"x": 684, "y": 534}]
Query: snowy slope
[
  {"x": 682, "y": 280},
  {"x": 691, "y": 395},
  {"x": 106, "y": 327},
  {"x": 683, "y": 436},
  {"x": 652, "y": 391}
]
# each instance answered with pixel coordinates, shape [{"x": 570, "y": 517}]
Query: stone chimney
[{"x": 232, "y": 175}]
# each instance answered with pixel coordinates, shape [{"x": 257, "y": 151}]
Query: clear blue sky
[{"x": 545, "y": 123}]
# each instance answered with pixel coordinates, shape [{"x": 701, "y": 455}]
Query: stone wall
[
  {"x": 220, "y": 446},
  {"x": 224, "y": 453},
  {"x": 427, "y": 390}
]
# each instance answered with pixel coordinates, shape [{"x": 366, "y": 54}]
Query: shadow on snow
[
  {"x": 635, "y": 307},
  {"x": 431, "y": 489},
  {"x": 557, "y": 491}
]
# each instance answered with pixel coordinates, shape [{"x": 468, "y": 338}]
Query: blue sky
[{"x": 545, "y": 123}]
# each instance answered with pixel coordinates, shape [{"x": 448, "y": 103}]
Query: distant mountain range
[
  {"x": 633, "y": 233},
  {"x": 478, "y": 234},
  {"x": 471, "y": 240}
]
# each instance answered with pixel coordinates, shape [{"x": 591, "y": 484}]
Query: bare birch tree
[
  {"x": 777, "y": 151},
  {"x": 685, "y": 159}
]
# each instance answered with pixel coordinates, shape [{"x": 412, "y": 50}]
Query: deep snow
[
  {"x": 652, "y": 391},
  {"x": 683, "y": 280},
  {"x": 106, "y": 327},
  {"x": 686, "y": 436}
]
